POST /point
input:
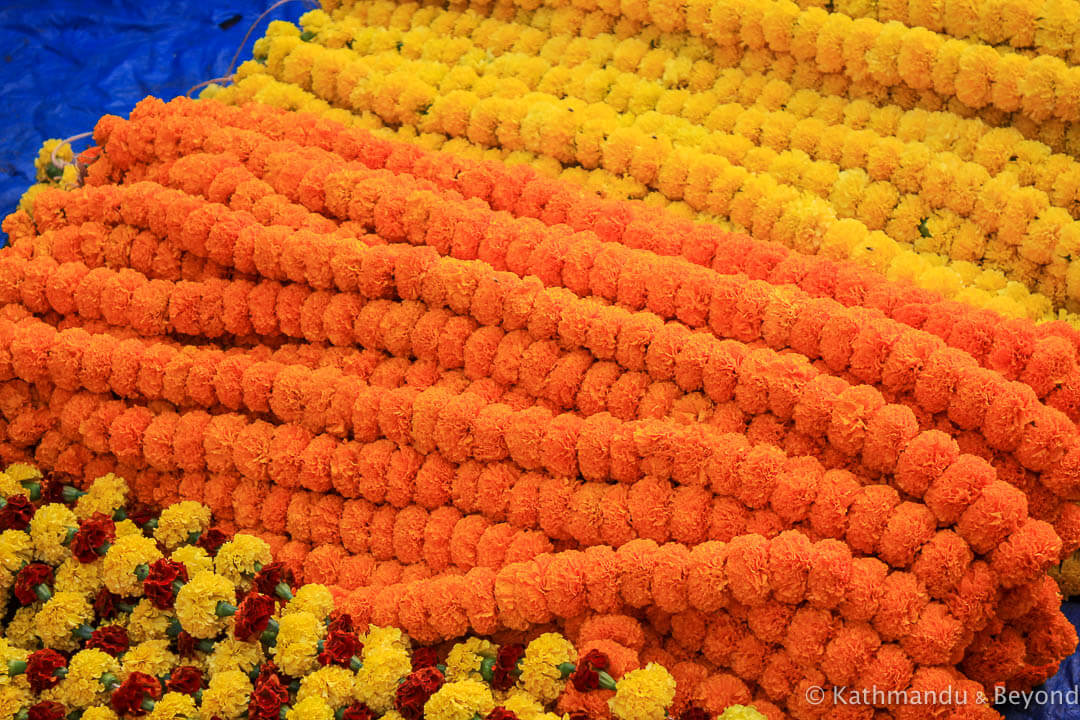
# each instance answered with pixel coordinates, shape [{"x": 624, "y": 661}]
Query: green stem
[
  {"x": 206, "y": 646},
  {"x": 83, "y": 631},
  {"x": 606, "y": 681},
  {"x": 70, "y": 535},
  {"x": 258, "y": 566},
  {"x": 60, "y": 672},
  {"x": 109, "y": 681},
  {"x": 119, "y": 514},
  {"x": 283, "y": 591},
  {"x": 224, "y": 609},
  {"x": 173, "y": 628},
  {"x": 355, "y": 664},
  {"x": 151, "y": 525},
  {"x": 284, "y": 711},
  {"x": 103, "y": 548},
  {"x": 487, "y": 667},
  {"x": 125, "y": 607},
  {"x": 42, "y": 591},
  {"x": 70, "y": 493},
  {"x": 16, "y": 667},
  {"x": 567, "y": 668},
  {"x": 176, "y": 587},
  {"x": 269, "y": 635},
  {"x": 34, "y": 487},
  {"x": 193, "y": 536},
  {"x": 142, "y": 570},
  {"x": 23, "y": 714},
  {"x": 148, "y": 705}
]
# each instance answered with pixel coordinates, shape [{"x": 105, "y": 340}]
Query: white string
[{"x": 62, "y": 143}]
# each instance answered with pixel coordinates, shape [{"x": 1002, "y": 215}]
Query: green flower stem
[
  {"x": 283, "y": 591},
  {"x": 109, "y": 681},
  {"x": 151, "y": 525},
  {"x": 119, "y": 514},
  {"x": 284, "y": 711},
  {"x": 43, "y": 592},
  {"x": 355, "y": 664},
  {"x": 174, "y": 627},
  {"x": 567, "y": 669},
  {"x": 258, "y": 566},
  {"x": 487, "y": 667},
  {"x": 70, "y": 493},
  {"x": 224, "y": 609},
  {"x": 34, "y": 487},
  {"x": 141, "y": 571},
  {"x": 206, "y": 646},
  {"x": 23, "y": 714},
  {"x": 60, "y": 672},
  {"x": 269, "y": 635},
  {"x": 16, "y": 667},
  {"x": 125, "y": 607},
  {"x": 70, "y": 535},
  {"x": 176, "y": 587},
  {"x": 103, "y": 548},
  {"x": 193, "y": 536},
  {"x": 148, "y": 705},
  {"x": 83, "y": 631},
  {"x": 606, "y": 681}
]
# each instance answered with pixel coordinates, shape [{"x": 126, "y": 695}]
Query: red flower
[
  {"x": 139, "y": 513},
  {"x": 29, "y": 578},
  {"x": 339, "y": 647},
  {"x": 16, "y": 514},
  {"x": 423, "y": 657},
  {"x": 358, "y": 711},
  {"x": 253, "y": 615},
  {"x": 415, "y": 691},
  {"x": 52, "y": 488},
  {"x": 267, "y": 579},
  {"x": 693, "y": 712},
  {"x": 185, "y": 679},
  {"x": 501, "y": 713},
  {"x": 504, "y": 673},
  {"x": 185, "y": 644},
  {"x": 94, "y": 532},
  {"x": 343, "y": 622},
  {"x": 105, "y": 604},
  {"x": 112, "y": 639},
  {"x": 128, "y": 698},
  {"x": 47, "y": 710},
  {"x": 269, "y": 695},
  {"x": 586, "y": 677},
  {"x": 158, "y": 585},
  {"x": 40, "y": 668},
  {"x": 211, "y": 540}
]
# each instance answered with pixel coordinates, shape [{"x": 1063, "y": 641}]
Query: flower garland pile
[
  {"x": 764, "y": 114},
  {"x": 472, "y": 400},
  {"x": 117, "y": 612}
]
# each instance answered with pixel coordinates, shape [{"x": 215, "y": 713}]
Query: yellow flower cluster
[{"x": 63, "y": 173}]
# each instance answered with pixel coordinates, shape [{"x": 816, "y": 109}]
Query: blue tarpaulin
[{"x": 64, "y": 63}]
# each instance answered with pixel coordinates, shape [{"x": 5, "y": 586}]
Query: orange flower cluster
[{"x": 472, "y": 400}]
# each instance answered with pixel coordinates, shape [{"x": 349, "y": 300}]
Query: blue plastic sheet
[{"x": 64, "y": 63}]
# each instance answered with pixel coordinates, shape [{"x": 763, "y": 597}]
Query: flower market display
[
  {"x": 116, "y": 611},
  {"x": 564, "y": 360}
]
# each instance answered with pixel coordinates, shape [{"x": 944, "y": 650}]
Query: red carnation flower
[
  {"x": 185, "y": 679},
  {"x": 586, "y": 676},
  {"x": 415, "y": 691},
  {"x": 16, "y": 514},
  {"x": 94, "y": 532},
  {"x": 339, "y": 647},
  {"x": 128, "y": 698},
  {"x": 52, "y": 488},
  {"x": 269, "y": 695},
  {"x": 158, "y": 585},
  {"x": 504, "y": 673},
  {"x": 425, "y": 656},
  {"x": 185, "y": 644},
  {"x": 267, "y": 579},
  {"x": 139, "y": 513},
  {"x": 211, "y": 541},
  {"x": 41, "y": 666},
  {"x": 693, "y": 712},
  {"x": 112, "y": 639},
  {"x": 105, "y": 604},
  {"x": 47, "y": 710},
  {"x": 28, "y": 579},
  {"x": 501, "y": 713},
  {"x": 341, "y": 621},
  {"x": 358, "y": 711},
  {"x": 253, "y": 615}
]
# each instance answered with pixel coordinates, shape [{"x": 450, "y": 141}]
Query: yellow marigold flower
[
  {"x": 377, "y": 680},
  {"x": 197, "y": 604},
  {"x": 173, "y": 706},
  {"x": 82, "y": 687},
  {"x": 315, "y": 21},
  {"x": 127, "y": 527},
  {"x": 51, "y": 528},
  {"x": 9, "y": 486},
  {"x": 21, "y": 631},
  {"x": 331, "y": 684},
  {"x": 9, "y": 652},
  {"x": 84, "y": 578},
  {"x": 310, "y": 708},
  {"x": 540, "y": 673},
  {"x": 22, "y": 472},
  {"x": 16, "y": 549},
  {"x": 100, "y": 712},
  {"x": 181, "y": 520},
  {"x": 43, "y": 164},
  {"x": 465, "y": 658},
  {"x": 311, "y": 598},
  {"x": 297, "y": 643},
  {"x": 522, "y": 704},
  {"x": 152, "y": 657},
  {"x": 460, "y": 700},
  {"x": 740, "y": 712},
  {"x": 643, "y": 694},
  {"x": 146, "y": 622},
  {"x": 60, "y": 616},
  {"x": 12, "y": 700},
  {"x": 232, "y": 654},
  {"x": 195, "y": 559},
  {"x": 105, "y": 495},
  {"x": 226, "y": 696},
  {"x": 126, "y": 563},
  {"x": 384, "y": 637},
  {"x": 240, "y": 558}
]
